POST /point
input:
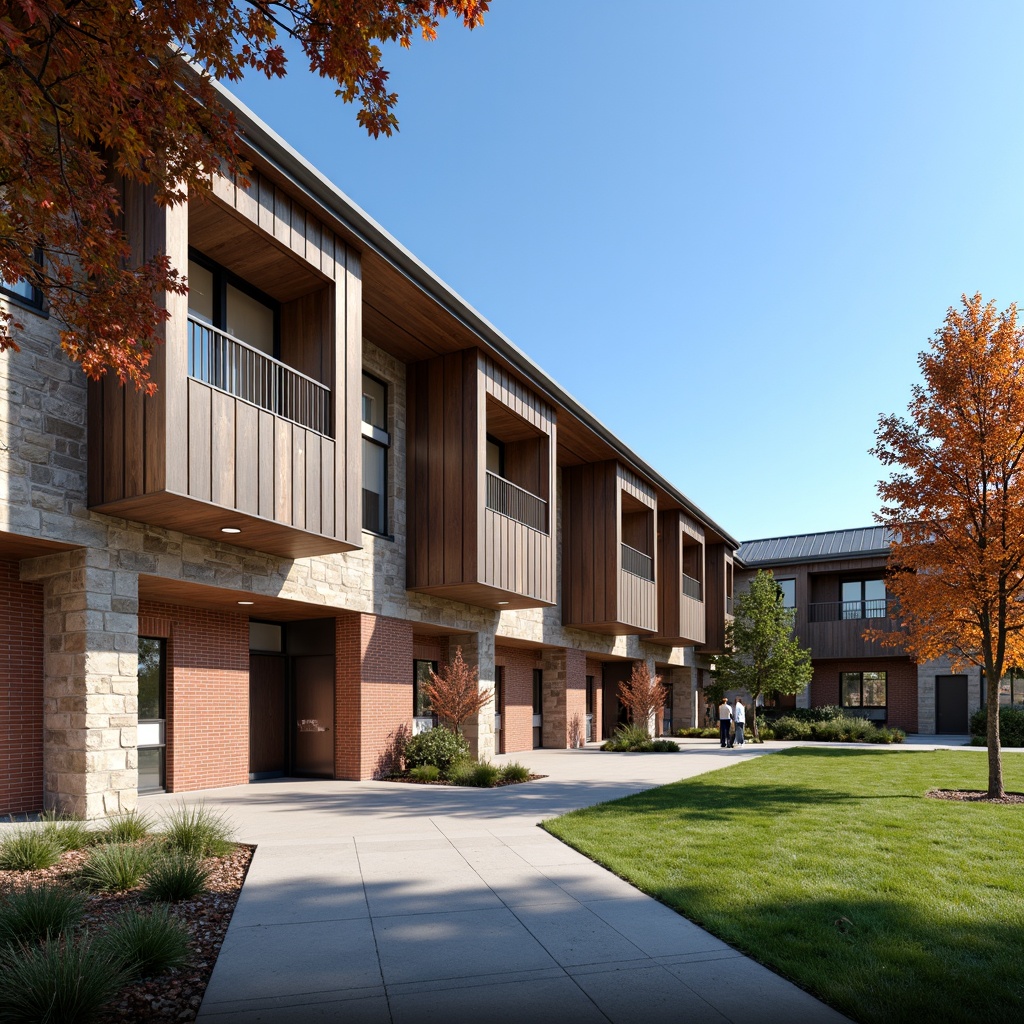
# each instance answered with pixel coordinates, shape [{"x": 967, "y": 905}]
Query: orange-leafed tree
[
  {"x": 955, "y": 503},
  {"x": 93, "y": 92},
  {"x": 454, "y": 693},
  {"x": 643, "y": 696}
]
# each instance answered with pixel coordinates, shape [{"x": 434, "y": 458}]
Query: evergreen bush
[
  {"x": 1011, "y": 724},
  {"x": 440, "y": 747}
]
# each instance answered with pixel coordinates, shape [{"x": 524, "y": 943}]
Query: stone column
[
  {"x": 478, "y": 653},
  {"x": 564, "y": 696},
  {"x": 90, "y": 683}
]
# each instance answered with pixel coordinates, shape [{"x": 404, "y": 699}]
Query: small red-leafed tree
[
  {"x": 642, "y": 696},
  {"x": 955, "y": 503},
  {"x": 454, "y": 693},
  {"x": 93, "y": 92}
]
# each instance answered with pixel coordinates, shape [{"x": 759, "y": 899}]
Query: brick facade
[
  {"x": 21, "y": 692},
  {"x": 901, "y": 686},
  {"x": 517, "y": 715}
]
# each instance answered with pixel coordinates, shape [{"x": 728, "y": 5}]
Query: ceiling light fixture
[
  {"x": 246, "y": 602},
  {"x": 230, "y": 529}
]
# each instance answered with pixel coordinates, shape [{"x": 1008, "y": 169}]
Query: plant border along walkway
[{"x": 832, "y": 867}]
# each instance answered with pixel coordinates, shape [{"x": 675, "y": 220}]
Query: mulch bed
[
  {"x": 979, "y": 796},
  {"x": 444, "y": 782},
  {"x": 176, "y": 994}
]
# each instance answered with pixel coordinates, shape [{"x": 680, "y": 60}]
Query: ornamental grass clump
[
  {"x": 629, "y": 739},
  {"x": 117, "y": 867},
  {"x": 130, "y": 827},
  {"x": 426, "y": 772},
  {"x": 144, "y": 945},
  {"x": 29, "y": 849},
  {"x": 38, "y": 913},
  {"x": 514, "y": 772},
  {"x": 57, "y": 982},
  {"x": 485, "y": 774},
  {"x": 197, "y": 831},
  {"x": 68, "y": 833},
  {"x": 176, "y": 876}
]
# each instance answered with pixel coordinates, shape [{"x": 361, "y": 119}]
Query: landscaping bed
[
  {"x": 81, "y": 877},
  {"x": 834, "y": 868}
]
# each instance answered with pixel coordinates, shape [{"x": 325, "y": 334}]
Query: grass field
[{"x": 832, "y": 868}]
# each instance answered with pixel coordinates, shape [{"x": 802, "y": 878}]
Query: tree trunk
[
  {"x": 995, "y": 760},
  {"x": 753, "y": 722}
]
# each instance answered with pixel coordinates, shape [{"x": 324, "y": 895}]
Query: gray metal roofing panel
[{"x": 868, "y": 540}]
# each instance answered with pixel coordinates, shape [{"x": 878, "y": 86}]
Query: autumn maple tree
[
  {"x": 643, "y": 696},
  {"x": 454, "y": 693},
  {"x": 97, "y": 91},
  {"x": 955, "y": 503}
]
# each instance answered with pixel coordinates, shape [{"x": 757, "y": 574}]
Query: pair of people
[{"x": 727, "y": 716}]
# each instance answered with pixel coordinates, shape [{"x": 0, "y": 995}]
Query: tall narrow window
[
  {"x": 152, "y": 712},
  {"x": 788, "y": 590},
  {"x": 863, "y": 599},
  {"x": 421, "y": 670},
  {"x": 538, "y": 708},
  {"x": 376, "y": 442}
]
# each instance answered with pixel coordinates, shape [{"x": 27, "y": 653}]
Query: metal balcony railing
[
  {"x": 835, "y": 611},
  {"x": 637, "y": 563},
  {"x": 224, "y": 362},
  {"x": 508, "y": 499},
  {"x": 691, "y": 587}
]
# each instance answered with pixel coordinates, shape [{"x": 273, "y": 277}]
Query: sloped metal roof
[{"x": 813, "y": 547}]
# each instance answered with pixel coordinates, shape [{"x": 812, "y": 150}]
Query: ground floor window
[
  {"x": 590, "y": 708},
  {"x": 863, "y": 689},
  {"x": 423, "y": 714},
  {"x": 538, "y": 707},
  {"x": 152, "y": 714},
  {"x": 666, "y": 711}
]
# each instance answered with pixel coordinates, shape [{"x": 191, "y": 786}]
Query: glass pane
[
  {"x": 852, "y": 600},
  {"x": 420, "y": 677},
  {"x": 151, "y": 678},
  {"x": 538, "y": 686},
  {"x": 874, "y": 599},
  {"x": 849, "y": 688},
  {"x": 788, "y": 588},
  {"x": 265, "y": 636},
  {"x": 374, "y": 501},
  {"x": 200, "y": 292},
  {"x": 874, "y": 689},
  {"x": 249, "y": 320},
  {"x": 499, "y": 685},
  {"x": 151, "y": 769},
  {"x": 495, "y": 462},
  {"x": 375, "y": 410}
]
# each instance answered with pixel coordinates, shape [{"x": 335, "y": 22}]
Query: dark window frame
[
  {"x": 862, "y": 674},
  {"x": 162, "y": 701},
  {"x": 382, "y": 439},
  {"x": 862, "y": 601},
  {"x": 222, "y": 277},
  {"x": 34, "y": 303},
  {"x": 416, "y": 683}
]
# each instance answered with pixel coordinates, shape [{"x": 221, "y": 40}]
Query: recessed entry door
[
  {"x": 268, "y": 701},
  {"x": 951, "y": 705},
  {"x": 313, "y": 715}
]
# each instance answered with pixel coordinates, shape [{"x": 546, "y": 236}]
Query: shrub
[
  {"x": 29, "y": 849},
  {"x": 665, "y": 747},
  {"x": 709, "y": 732},
  {"x": 440, "y": 747},
  {"x": 765, "y": 732},
  {"x": 176, "y": 876},
  {"x": 117, "y": 867},
  {"x": 67, "y": 832},
  {"x": 790, "y": 728},
  {"x": 1011, "y": 724},
  {"x": 629, "y": 738},
  {"x": 426, "y": 772},
  {"x": 843, "y": 730},
  {"x": 460, "y": 772},
  {"x": 56, "y": 982},
  {"x": 38, "y": 913},
  {"x": 129, "y": 827},
  {"x": 485, "y": 774},
  {"x": 197, "y": 831},
  {"x": 825, "y": 713},
  {"x": 887, "y": 735},
  {"x": 145, "y": 944},
  {"x": 515, "y": 772}
]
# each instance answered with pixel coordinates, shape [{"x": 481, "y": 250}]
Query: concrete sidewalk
[{"x": 385, "y": 902}]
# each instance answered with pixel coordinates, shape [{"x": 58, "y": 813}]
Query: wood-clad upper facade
[{"x": 258, "y": 425}]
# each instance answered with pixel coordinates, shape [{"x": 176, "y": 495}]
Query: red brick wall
[
  {"x": 517, "y": 714},
  {"x": 21, "y": 692},
  {"x": 901, "y": 686},
  {"x": 207, "y": 694},
  {"x": 373, "y": 693},
  {"x": 594, "y": 669}
]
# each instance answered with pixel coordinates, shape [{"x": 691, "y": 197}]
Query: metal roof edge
[{"x": 273, "y": 148}]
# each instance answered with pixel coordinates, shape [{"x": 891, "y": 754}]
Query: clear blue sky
[{"x": 726, "y": 228}]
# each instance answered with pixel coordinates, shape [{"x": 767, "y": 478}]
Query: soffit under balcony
[
  {"x": 253, "y": 255},
  {"x": 162, "y": 590}
]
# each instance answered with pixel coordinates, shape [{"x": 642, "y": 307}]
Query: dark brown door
[
  {"x": 951, "y": 704},
  {"x": 267, "y": 715},
  {"x": 613, "y": 673},
  {"x": 314, "y": 716}
]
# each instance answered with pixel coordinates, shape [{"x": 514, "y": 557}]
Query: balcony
[
  {"x": 838, "y": 611},
  {"x": 692, "y": 588},
  {"x": 637, "y": 563},
  {"x": 835, "y": 629},
  {"x": 232, "y": 366},
  {"x": 516, "y": 503},
  {"x": 681, "y": 614}
]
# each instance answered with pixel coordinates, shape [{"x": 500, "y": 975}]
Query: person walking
[
  {"x": 739, "y": 716},
  {"x": 724, "y": 721}
]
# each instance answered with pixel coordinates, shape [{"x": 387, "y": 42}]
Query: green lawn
[{"x": 832, "y": 868}]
